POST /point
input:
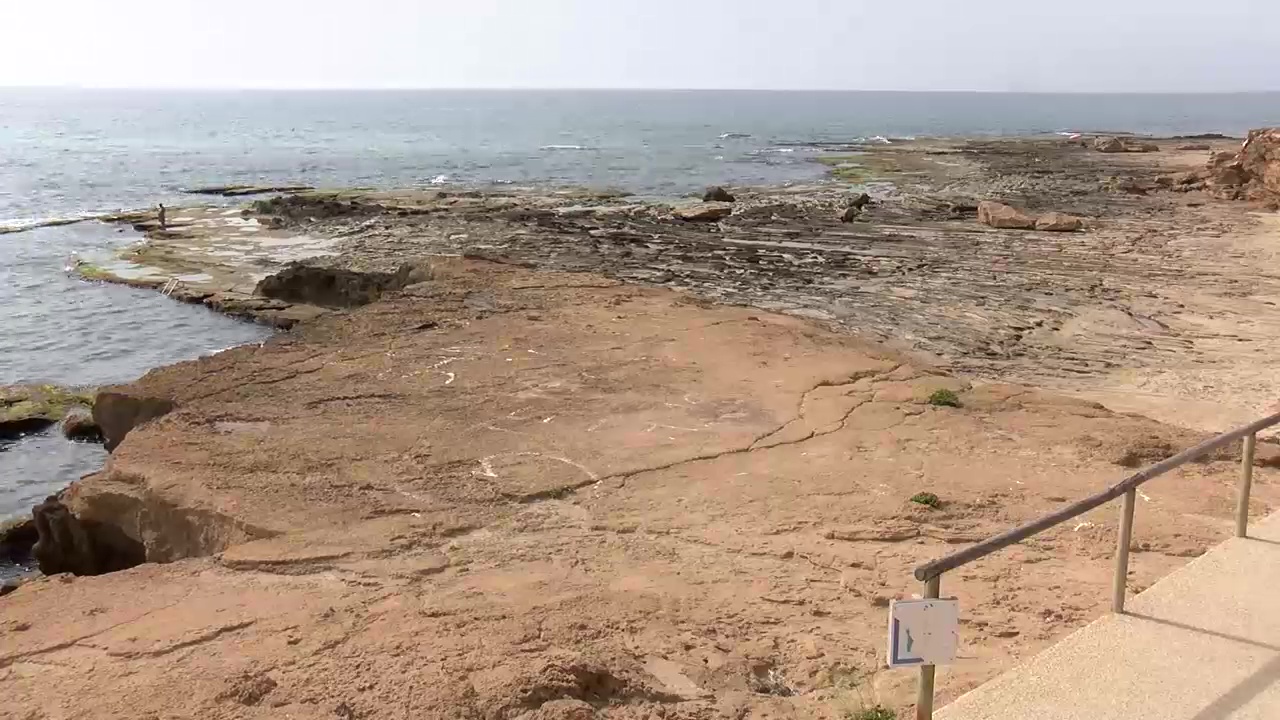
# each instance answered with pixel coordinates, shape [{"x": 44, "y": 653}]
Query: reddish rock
[
  {"x": 1251, "y": 173},
  {"x": 1109, "y": 145},
  {"x": 707, "y": 212}
]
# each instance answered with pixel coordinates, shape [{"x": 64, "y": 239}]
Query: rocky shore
[{"x": 529, "y": 454}]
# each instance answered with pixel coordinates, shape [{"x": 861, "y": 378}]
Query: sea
[{"x": 77, "y": 153}]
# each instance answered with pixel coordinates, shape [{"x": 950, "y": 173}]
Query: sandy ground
[
  {"x": 1166, "y": 304},
  {"x": 505, "y": 493}
]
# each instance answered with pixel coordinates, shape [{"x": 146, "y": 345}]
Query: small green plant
[
  {"x": 927, "y": 499},
  {"x": 878, "y": 712},
  {"x": 944, "y": 398}
]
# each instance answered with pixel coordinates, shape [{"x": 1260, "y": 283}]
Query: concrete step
[{"x": 1201, "y": 644}]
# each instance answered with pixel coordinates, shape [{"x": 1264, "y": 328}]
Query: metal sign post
[{"x": 923, "y": 633}]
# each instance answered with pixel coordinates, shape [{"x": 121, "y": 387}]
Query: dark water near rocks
[{"x": 68, "y": 153}]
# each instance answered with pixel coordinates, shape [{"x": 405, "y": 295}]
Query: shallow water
[{"x": 66, "y": 153}]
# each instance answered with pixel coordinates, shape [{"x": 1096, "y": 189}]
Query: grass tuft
[{"x": 944, "y": 398}]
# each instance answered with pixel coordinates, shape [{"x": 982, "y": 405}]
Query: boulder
[
  {"x": 78, "y": 425},
  {"x": 66, "y": 545},
  {"x": 17, "y": 537},
  {"x": 25, "y": 409},
  {"x": 716, "y": 193},
  {"x": 1195, "y": 146},
  {"x": 1109, "y": 145},
  {"x": 331, "y": 286},
  {"x": 1253, "y": 172},
  {"x": 707, "y": 212},
  {"x": 1059, "y": 222},
  {"x": 117, "y": 413},
  {"x": 998, "y": 215},
  {"x": 1141, "y": 147}
]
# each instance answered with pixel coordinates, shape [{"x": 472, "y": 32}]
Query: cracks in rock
[
  {"x": 804, "y": 400},
  {"x": 239, "y": 384},
  {"x": 754, "y": 445}
]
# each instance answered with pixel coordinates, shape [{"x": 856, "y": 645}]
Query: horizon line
[{"x": 409, "y": 88}]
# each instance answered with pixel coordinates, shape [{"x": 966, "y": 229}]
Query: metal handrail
[{"x": 931, "y": 572}]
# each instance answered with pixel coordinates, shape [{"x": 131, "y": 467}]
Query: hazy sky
[{"x": 1089, "y": 45}]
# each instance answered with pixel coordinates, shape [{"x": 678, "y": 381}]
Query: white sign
[{"x": 923, "y": 632}]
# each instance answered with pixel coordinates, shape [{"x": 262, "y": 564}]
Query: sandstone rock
[
  {"x": 707, "y": 212},
  {"x": 17, "y": 537},
  {"x": 1141, "y": 147},
  {"x": 63, "y": 545},
  {"x": 1059, "y": 222},
  {"x": 25, "y": 409},
  {"x": 79, "y": 425},
  {"x": 998, "y": 215},
  {"x": 117, "y": 413},
  {"x": 315, "y": 205},
  {"x": 242, "y": 190},
  {"x": 1253, "y": 172},
  {"x": 331, "y": 287},
  {"x": 1109, "y": 145},
  {"x": 716, "y": 193},
  {"x": 66, "y": 545},
  {"x": 1195, "y": 146}
]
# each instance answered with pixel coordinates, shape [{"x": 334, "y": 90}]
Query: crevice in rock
[
  {"x": 165, "y": 531},
  {"x": 333, "y": 287}
]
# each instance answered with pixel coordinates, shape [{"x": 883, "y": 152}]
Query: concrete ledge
[{"x": 1202, "y": 644}]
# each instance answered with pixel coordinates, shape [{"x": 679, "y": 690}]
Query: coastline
[{"x": 616, "y": 371}]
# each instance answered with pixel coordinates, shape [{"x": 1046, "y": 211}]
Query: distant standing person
[{"x": 164, "y": 224}]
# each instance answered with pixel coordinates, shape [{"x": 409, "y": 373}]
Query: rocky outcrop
[
  {"x": 314, "y": 206},
  {"x": 998, "y": 215},
  {"x": 26, "y": 409},
  {"x": 78, "y": 425},
  {"x": 1059, "y": 222},
  {"x": 707, "y": 212},
  {"x": 1109, "y": 145},
  {"x": 118, "y": 412},
  {"x": 854, "y": 208},
  {"x": 330, "y": 286},
  {"x": 66, "y": 545},
  {"x": 243, "y": 190},
  {"x": 716, "y": 193},
  {"x": 530, "y": 489},
  {"x": 1252, "y": 173}
]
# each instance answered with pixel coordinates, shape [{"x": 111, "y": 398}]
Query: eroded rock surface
[
  {"x": 508, "y": 493},
  {"x": 26, "y": 409},
  {"x": 1252, "y": 172}
]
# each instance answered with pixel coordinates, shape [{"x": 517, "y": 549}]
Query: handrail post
[
  {"x": 1246, "y": 485},
  {"x": 1122, "y": 551},
  {"x": 924, "y": 693}
]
